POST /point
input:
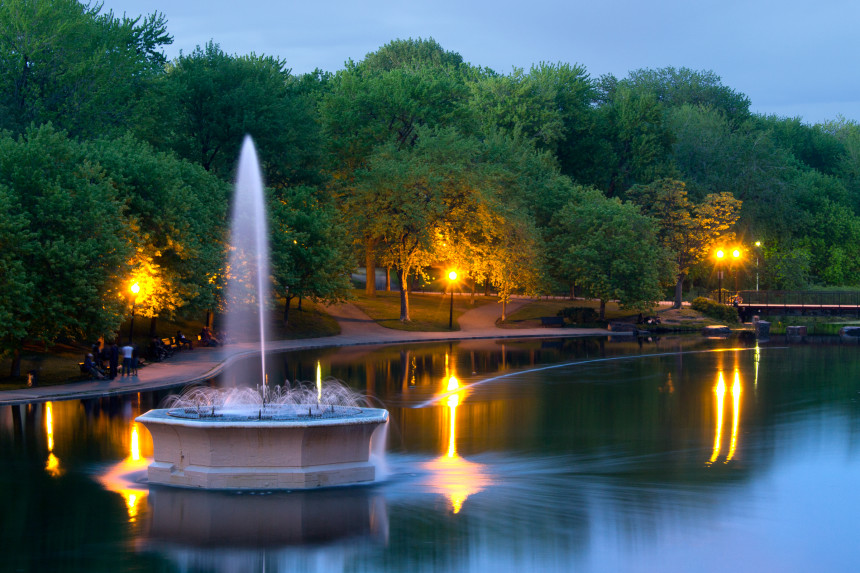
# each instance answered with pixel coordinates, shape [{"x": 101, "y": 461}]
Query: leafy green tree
[
  {"x": 387, "y": 99},
  {"x": 70, "y": 267},
  {"x": 686, "y": 230},
  {"x": 211, "y": 100},
  {"x": 412, "y": 193},
  {"x": 611, "y": 249},
  {"x": 67, "y": 63},
  {"x": 176, "y": 215},
  {"x": 310, "y": 250},
  {"x": 674, "y": 87},
  {"x": 640, "y": 142}
]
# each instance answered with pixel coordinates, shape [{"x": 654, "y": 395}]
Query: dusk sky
[{"x": 791, "y": 57}]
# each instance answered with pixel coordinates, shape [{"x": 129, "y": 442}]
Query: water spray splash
[{"x": 248, "y": 280}]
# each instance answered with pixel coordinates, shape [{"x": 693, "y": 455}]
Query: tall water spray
[{"x": 248, "y": 279}]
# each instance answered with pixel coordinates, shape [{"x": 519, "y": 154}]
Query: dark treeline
[{"x": 115, "y": 167}]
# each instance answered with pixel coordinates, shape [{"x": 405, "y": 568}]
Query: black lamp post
[
  {"x": 135, "y": 288},
  {"x": 452, "y": 276}
]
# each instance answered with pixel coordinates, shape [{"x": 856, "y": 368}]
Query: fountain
[{"x": 276, "y": 437}]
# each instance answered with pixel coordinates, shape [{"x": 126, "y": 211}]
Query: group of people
[{"x": 94, "y": 361}]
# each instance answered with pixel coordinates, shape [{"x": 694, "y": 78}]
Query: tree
[
  {"x": 687, "y": 230},
  {"x": 310, "y": 250},
  {"x": 177, "y": 215},
  {"x": 386, "y": 100},
  {"x": 212, "y": 100},
  {"x": 71, "y": 266},
  {"x": 411, "y": 193},
  {"x": 63, "y": 62},
  {"x": 611, "y": 250},
  {"x": 675, "y": 87}
]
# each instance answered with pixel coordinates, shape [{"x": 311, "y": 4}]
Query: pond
[{"x": 675, "y": 454}]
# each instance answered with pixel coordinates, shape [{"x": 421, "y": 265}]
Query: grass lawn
[
  {"x": 429, "y": 312},
  {"x": 59, "y": 363}
]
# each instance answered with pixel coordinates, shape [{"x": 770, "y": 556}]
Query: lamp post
[
  {"x": 720, "y": 254},
  {"x": 757, "y": 247},
  {"x": 736, "y": 255},
  {"x": 135, "y": 288},
  {"x": 452, "y": 276}
]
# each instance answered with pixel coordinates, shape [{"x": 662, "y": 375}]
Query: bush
[
  {"x": 578, "y": 314},
  {"x": 715, "y": 310}
]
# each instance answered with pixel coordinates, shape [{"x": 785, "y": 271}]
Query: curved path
[{"x": 357, "y": 328}]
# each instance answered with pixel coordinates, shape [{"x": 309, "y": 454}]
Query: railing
[{"x": 787, "y": 298}]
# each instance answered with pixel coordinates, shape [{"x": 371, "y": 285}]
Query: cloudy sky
[{"x": 791, "y": 57}]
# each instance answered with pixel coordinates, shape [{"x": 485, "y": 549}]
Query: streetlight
[
  {"x": 135, "y": 288},
  {"x": 736, "y": 255},
  {"x": 452, "y": 276},
  {"x": 720, "y": 254},
  {"x": 757, "y": 247}
]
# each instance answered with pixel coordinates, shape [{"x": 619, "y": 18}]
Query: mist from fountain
[{"x": 248, "y": 271}]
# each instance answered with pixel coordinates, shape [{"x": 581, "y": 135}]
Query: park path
[{"x": 188, "y": 367}]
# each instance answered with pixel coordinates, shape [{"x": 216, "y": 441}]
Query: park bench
[
  {"x": 170, "y": 343},
  {"x": 551, "y": 321}
]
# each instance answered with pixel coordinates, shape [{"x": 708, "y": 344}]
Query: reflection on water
[
  {"x": 52, "y": 466},
  {"x": 450, "y": 474},
  {"x": 558, "y": 455}
]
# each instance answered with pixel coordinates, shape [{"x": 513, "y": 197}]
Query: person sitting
[
  {"x": 183, "y": 342},
  {"x": 206, "y": 337},
  {"x": 91, "y": 368}
]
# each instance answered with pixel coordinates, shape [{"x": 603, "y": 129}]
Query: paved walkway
[{"x": 357, "y": 328}]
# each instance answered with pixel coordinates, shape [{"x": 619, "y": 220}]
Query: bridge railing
[{"x": 801, "y": 298}]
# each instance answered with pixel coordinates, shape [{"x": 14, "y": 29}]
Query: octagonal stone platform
[{"x": 252, "y": 454}]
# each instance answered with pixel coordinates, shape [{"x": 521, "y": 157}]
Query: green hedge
[
  {"x": 715, "y": 310},
  {"x": 578, "y": 314}
]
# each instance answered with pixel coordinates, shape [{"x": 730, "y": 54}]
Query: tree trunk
[
  {"x": 487, "y": 286},
  {"x": 679, "y": 291},
  {"x": 403, "y": 278},
  {"x": 153, "y": 322},
  {"x": 474, "y": 288},
  {"x": 388, "y": 278},
  {"x": 602, "y": 309},
  {"x": 370, "y": 269},
  {"x": 288, "y": 299},
  {"x": 16, "y": 363},
  {"x": 504, "y": 309},
  {"x": 300, "y": 303}
]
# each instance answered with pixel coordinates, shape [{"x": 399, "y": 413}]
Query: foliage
[
  {"x": 310, "y": 252},
  {"x": 211, "y": 100},
  {"x": 610, "y": 249},
  {"x": 176, "y": 214},
  {"x": 68, "y": 268},
  {"x": 578, "y": 314},
  {"x": 722, "y": 312},
  {"x": 65, "y": 62},
  {"x": 687, "y": 231}
]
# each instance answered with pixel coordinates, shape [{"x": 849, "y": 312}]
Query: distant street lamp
[
  {"x": 757, "y": 247},
  {"x": 135, "y": 288},
  {"x": 452, "y": 276}
]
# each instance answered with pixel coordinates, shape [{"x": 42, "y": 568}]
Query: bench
[
  {"x": 551, "y": 321},
  {"x": 170, "y": 343}
]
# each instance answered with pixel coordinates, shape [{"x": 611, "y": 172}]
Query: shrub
[
  {"x": 715, "y": 310},
  {"x": 578, "y": 314}
]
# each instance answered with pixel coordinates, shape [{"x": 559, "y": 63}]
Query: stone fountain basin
[{"x": 254, "y": 454}]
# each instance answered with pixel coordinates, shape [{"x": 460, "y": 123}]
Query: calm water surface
[{"x": 680, "y": 454}]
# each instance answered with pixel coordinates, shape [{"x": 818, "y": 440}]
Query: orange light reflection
[
  {"x": 52, "y": 465},
  {"x": 122, "y": 477},
  {"x": 450, "y": 474},
  {"x": 720, "y": 392}
]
